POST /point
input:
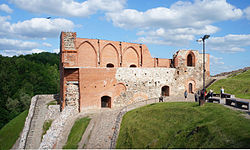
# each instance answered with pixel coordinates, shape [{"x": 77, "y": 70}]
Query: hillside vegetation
[
  {"x": 184, "y": 125},
  {"x": 237, "y": 84},
  {"x": 11, "y": 131},
  {"x": 23, "y": 77},
  {"x": 76, "y": 133}
]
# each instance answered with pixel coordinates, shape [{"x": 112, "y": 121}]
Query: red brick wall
[
  {"x": 109, "y": 54},
  {"x": 164, "y": 62},
  {"x": 95, "y": 83},
  {"x": 87, "y": 55},
  {"x": 130, "y": 57}
]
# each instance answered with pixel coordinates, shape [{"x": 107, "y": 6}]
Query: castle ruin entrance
[
  {"x": 106, "y": 102},
  {"x": 190, "y": 88},
  {"x": 110, "y": 65},
  {"x": 165, "y": 91}
]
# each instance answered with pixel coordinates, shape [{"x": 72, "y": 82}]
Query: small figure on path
[
  {"x": 196, "y": 96},
  {"x": 160, "y": 99},
  {"x": 185, "y": 94},
  {"x": 222, "y": 92}
]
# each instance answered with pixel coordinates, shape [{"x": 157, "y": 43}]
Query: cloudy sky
[{"x": 165, "y": 26}]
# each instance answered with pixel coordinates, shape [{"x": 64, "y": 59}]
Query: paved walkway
[{"x": 101, "y": 129}]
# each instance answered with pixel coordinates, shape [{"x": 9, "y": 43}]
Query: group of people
[
  {"x": 203, "y": 93},
  {"x": 200, "y": 94}
]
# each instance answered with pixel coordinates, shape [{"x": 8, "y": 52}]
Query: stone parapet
[{"x": 27, "y": 124}]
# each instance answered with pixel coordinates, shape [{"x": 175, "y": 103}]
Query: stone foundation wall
[
  {"x": 72, "y": 95},
  {"x": 146, "y": 83}
]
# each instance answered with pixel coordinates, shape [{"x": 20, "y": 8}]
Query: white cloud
[
  {"x": 175, "y": 37},
  {"x": 247, "y": 12},
  {"x": 69, "y": 7},
  {"x": 11, "y": 47},
  {"x": 47, "y": 44},
  {"x": 178, "y": 24},
  {"x": 35, "y": 27},
  {"x": 214, "y": 61},
  {"x": 179, "y": 15},
  {"x": 56, "y": 50},
  {"x": 11, "y": 44},
  {"x": 230, "y": 43},
  {"x": 5, "y": 8},
  {"x": 11, "y": 53}
]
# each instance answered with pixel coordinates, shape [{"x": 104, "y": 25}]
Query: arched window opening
[
  {"x": 190, "y": 60},
  {"x": 106, "y": 102},
  {"x": 190, "y": 88},
  {"x": 110, "y": 65},
  {"x": 165, "y": 91},
  {"x": 132, "y": 66}
]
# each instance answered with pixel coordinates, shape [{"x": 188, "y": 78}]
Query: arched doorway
[
  {"x": 191, "y": 60},
  {"x": 106, "y": 102},
  {"x": 110, "y": 65},
  {"x": 190, "y": 88},
  {"x": 165, "y": 91},
  {"x": 132, "y": 66}
]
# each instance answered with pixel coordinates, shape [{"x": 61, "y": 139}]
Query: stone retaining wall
[
  {"x": 54, "y": 134},
  {"x": 27, "y": 124}
]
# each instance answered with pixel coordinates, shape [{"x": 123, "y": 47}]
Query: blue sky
[{"x": 165, "y": 26}]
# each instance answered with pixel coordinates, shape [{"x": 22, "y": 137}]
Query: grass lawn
[
  {"x": 11, "y": 131},
  {"x": 76, "y": 133},
  {"x": 54, "y": 102},
  {"x": 46, "y": 126},
  {"x": 184, "y": 125},
  {"x": 238, "y": 85}
]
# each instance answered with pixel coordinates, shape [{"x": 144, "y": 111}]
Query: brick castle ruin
[{"x": 100, "y": 73}]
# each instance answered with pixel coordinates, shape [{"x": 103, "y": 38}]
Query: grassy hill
[
  {"x": 184, "y": 125},
  {"x": 11, "y": 131},
  {"x": 236, "y": 84}
]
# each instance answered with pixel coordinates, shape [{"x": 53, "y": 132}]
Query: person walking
[{"x": 185, "y": 94}]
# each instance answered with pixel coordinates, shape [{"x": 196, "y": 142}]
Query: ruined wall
[
  {"x": 85, "y": 61},
  {"x": 144, "y": 83}
]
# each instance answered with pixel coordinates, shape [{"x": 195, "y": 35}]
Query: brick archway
[
  {"x": 165, "y": 91},
  {"x": 190, "y": 59},
  {"x": 105, "y": 102}
]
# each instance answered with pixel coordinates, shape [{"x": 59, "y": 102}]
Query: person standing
[
  {"x": 196, "y": 96},
  {"x": 185, "y": 94},
  {"x": 160, "y": 99},
  {"x": 222, "y": 92},
  {"x": 211, "y": 92}
]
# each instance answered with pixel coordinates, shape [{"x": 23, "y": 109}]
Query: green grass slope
[
  {"x": 76, "y": 133},
  {"x": 238, "y": 85},
  {"x": 184, "y": 125},
  {"x": 11, "y": 131}
]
